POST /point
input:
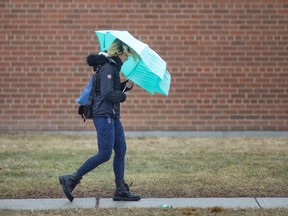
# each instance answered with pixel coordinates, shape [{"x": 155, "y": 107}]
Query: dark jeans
[{"x": 110, "y": 135}]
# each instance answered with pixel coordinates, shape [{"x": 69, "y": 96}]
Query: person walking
[{"x": 109, "y": 93}]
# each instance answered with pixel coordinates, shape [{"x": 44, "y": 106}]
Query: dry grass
[
  {"x": 159, "y": 167},
  {"x": 152, "y": 212}
]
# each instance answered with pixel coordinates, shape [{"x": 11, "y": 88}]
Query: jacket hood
[{"x": 93, "y": 60}]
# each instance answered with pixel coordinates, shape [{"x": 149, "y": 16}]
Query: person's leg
[
  {"x": 105, "y": 137},
  {"x": 119, "y": 150},
  {"x": 122, "y": 192}
]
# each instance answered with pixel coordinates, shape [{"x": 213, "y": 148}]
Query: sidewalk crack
[{"x": 258, "y": 202}]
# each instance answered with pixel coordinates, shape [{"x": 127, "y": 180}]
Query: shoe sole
[
  {"x": 67, "y": 194},
  {"x": 125, "y": 199}
]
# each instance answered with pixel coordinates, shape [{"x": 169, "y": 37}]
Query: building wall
[{"x": 228, "y": 61}]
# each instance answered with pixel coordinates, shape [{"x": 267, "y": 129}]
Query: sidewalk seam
[
  {"x": 97, "y": 202},
  {"x": 258, "y": 202}
]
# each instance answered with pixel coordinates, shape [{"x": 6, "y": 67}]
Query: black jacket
[{"x": 109, "y": 95}]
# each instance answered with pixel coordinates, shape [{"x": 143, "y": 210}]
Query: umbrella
[{"x": 149, "y": 71}]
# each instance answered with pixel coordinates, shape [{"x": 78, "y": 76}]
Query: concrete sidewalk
[{"x": 63, "y": 203}]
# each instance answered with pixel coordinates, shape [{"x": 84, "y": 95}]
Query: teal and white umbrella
[{"x": 149, "y": 72}]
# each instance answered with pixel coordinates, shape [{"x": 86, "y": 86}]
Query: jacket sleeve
[{"x": 107, "y": 72}]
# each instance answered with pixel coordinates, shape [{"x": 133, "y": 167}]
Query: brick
[{"x": 228, "y": 61}]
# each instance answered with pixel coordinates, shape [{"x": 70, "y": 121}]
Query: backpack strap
[{"x": 95, "y": 85}]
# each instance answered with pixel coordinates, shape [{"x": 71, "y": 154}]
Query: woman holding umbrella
[{"x": 106, "y": 119}]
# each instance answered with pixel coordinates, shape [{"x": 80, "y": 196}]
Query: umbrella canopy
[{"x": 149, "y": 71}]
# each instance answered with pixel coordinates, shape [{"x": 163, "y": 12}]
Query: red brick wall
[{"x": 228, "y": 61}]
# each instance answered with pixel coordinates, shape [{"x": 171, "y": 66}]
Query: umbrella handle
[{"x": 125, "y": 86}]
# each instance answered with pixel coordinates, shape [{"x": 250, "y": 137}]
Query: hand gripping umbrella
[{"x": 149, "y": 71}]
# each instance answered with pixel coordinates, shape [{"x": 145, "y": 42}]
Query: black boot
[
  {"x": 122, "y": 192},
  {"x": 68, "y": 183}
]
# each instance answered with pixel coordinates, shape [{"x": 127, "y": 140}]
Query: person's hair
[{"x": 118, "y": 47}]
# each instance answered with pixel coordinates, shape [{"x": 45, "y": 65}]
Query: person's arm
[{"x": 106, "y": 85}]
